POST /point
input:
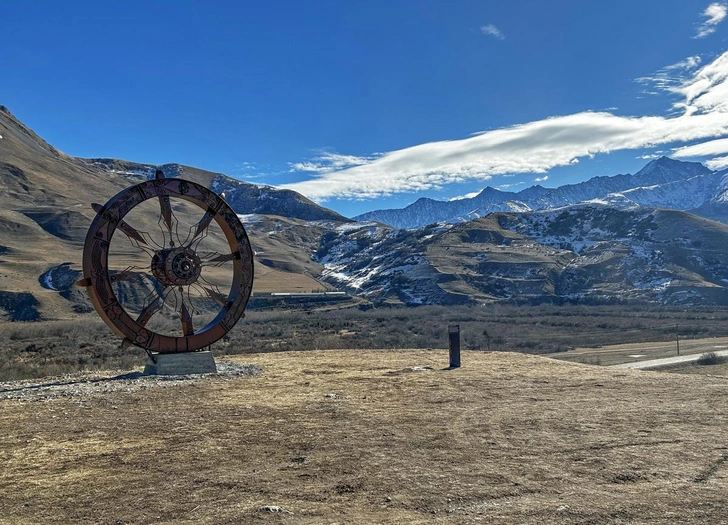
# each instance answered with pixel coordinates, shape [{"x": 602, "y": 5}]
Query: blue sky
[{"x": 366, "y": 105}]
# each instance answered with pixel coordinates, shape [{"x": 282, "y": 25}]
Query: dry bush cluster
[
  {"x": 711, "y": 358},
  {"x": 53, "y": 348}
]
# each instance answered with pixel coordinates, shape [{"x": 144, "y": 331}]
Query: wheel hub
[{"x": 176, "y": 266}]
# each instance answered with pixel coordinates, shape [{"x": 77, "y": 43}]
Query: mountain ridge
[
  {"x": 590, "y": 252},
  {"x": 649, "y": 186},
  {"x": 606, "y": 239}
]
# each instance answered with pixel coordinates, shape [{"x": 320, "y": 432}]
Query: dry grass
[
  {"x": 85, "y": 343},
  {"x": 720, "y": 370},
  {"x": 508, "y": 438}
]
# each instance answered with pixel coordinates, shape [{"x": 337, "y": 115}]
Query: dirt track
[
  {"x": 636, "y": 352},
  {"x": 360, "y": 437}
]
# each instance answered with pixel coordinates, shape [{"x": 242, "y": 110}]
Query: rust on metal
[{"x": 175, "y": 269}]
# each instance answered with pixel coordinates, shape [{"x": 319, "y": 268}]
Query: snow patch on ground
[
  {"x": 249, "y": 218},
  {"x": 350, "y": 226},
  {"x": 59, "y": 278},
  {"x": 47, "y": 281}
]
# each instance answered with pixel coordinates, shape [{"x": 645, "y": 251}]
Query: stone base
[{"x": 181, "y": 364}]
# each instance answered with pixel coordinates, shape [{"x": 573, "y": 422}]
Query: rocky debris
[
  {"x": 423, "y": 368},
  {"x": 89, "y": 385}
]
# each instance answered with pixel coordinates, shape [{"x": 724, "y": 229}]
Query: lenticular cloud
[{"x": 536, "y": 147}]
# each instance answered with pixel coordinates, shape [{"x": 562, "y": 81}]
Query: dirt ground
[{"x": 370, "y": 437}]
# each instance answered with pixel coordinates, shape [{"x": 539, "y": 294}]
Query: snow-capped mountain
[
  {"x": 243, "y": 197},
  {"x": 590, "y": 252},
  {"x": 664, "y": 183},
  {"x": 615, "y": 245}
]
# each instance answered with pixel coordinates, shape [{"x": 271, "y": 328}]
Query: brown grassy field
[
  {"x": 719, "y": 370},
  {"x": 361, "y": 437},
  {"x": 53, "y": 348}
]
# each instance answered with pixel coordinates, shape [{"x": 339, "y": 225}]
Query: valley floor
[{"x": 369, "y": 437}]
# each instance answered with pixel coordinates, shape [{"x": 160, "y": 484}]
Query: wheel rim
[{"x": 176, "y": 266}]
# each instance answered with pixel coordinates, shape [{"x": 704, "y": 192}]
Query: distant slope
[
  {"x": 590, "y": 252},
  {"x": 243, "y": 197}
]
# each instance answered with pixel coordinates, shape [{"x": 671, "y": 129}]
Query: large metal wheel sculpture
[{"x": 165, "y": 274}]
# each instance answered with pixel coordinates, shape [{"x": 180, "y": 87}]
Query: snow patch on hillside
[{"x": 59, "y": 278}]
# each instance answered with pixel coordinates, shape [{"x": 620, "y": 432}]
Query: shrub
[{"x": 711, "y": 358}]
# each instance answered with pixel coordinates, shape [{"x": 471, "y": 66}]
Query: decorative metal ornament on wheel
[{"x": 168, "y": 265}]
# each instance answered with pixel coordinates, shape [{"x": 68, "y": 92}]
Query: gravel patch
[{"x": 92, "y": 384}]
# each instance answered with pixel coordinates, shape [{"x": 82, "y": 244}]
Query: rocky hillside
[
  {"x": 591, "y": 252},
  {"x": 245, "y": 198}
]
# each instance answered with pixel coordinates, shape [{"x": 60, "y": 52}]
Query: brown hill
[
  {"x": 587, "y": 253},
  {"x": 45, "y": 211}
]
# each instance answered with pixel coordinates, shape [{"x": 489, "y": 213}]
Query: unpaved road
[
  {"x": 666, "y": 361},
  {"x": 635, "y": 352}
]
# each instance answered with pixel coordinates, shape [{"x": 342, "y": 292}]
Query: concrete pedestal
[{"x": 181, "y": 364}]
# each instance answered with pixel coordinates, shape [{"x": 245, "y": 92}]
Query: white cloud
[
  {"x": 534, "y": 147},
  {"x": 507, "y": 186},
  {"x": 717, "y": 163},
  {"x": 466, "y": 196},
  {"x": 542, "y": 179},
  {"x": 714, "y": 13},
  {"x": 689, "y": 63},
  {"x": 670, "y": 76},
  {"x": 326, "y": 162},
  {"x": 706, "y": 149},
  {"x": 493, "y": 31},
  {"x": 703, "y": 149}
]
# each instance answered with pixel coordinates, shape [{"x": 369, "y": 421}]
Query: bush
[{"x": 711, "y": 358}]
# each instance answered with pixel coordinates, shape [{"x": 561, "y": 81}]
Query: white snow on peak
[{"x": 466, "y": 196}]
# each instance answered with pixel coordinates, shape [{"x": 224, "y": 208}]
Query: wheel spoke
[
  {"x": 131, "y": 232},
  {"x": 166, "y": 212},
  {"x": 186, "y": 318},
  {"x": 128, "y": 230},
  {"x": 151, "y": 309},
  {"x": 224, "y": 258},
  {"x": 166, "y": 207},
  {"x": 204, "y": 223},
  {"x": 216, "y": 296}
]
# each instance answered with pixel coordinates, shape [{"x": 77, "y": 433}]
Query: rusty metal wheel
[{"x": 168, "y": 265}]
